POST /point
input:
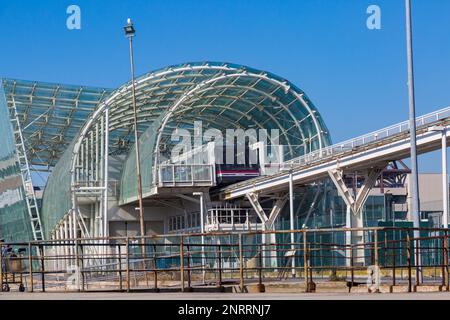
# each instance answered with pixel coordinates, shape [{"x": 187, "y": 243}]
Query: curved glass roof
[
  {"x": 221, "y": 95},
  {"x": 50, "y": 115},
  {"x": 230, "y": 96}
]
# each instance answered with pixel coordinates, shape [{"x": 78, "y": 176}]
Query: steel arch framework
[{"x": 219, "y": 94}]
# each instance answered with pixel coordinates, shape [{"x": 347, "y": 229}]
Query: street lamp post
[
  {"x": 415, "y": 210},
  {"x": 412, "y": 119},
  {"x": 130, "y": 33}
]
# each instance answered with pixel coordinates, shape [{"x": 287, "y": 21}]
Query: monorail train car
[{"x": 228, "y": 173}]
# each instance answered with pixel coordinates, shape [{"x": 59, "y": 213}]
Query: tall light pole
[
  {"x": 415, "y": 210},
  {"x": 130, "y": 33}
]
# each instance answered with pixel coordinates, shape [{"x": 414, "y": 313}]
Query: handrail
[
  {"x": 373, "y": 136},
  {"x": 419, "y": 121},
  {"x": 338, "y": 148},
  {"x": 168, "y": 175}
]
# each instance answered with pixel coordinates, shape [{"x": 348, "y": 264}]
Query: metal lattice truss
[
  {"x": 50, "y": 115},
  {"x": 45, "y": 118}
]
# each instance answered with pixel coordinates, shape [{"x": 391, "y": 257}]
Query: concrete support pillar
[
  {"x": 269, "y": 247},
  {"x": 358, "y": 238},
  {"x": 268, "y": 224},
  {"x": 263, "y": 247},
  {"x": 273, "y": 251},
  {"x": 348, "y": 234},
  {"x": 355, "y": 201},
  {"x": 354, "y": 237}
]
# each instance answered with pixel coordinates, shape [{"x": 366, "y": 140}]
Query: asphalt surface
[{"x": 222, "y": 296}]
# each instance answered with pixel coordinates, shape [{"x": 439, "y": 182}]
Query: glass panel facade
[
  {"x": 50, "y": 116},
  {"x": 220, "y": 96},
  {"x": 14, "y": 221},
  {"x": 56, "y": 201}
]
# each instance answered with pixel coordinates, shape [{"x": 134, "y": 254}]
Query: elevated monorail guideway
[{"x": 370, "y": 153}]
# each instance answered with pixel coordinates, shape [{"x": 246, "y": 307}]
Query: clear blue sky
[{"x": 356, "y": 77}]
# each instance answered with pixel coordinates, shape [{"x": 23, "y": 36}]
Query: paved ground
[{"x": 222, "y": 296}]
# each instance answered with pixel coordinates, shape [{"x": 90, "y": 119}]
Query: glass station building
[{"x": 68, "y": 163}]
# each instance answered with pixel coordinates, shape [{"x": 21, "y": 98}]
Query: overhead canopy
[
  {"x": 221, "y": 96},
  {"x": 50, "y": 115},
  {"x": 59, "y": 122}
]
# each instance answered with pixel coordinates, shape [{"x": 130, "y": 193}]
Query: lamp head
[{"x": 129, "y": 29}]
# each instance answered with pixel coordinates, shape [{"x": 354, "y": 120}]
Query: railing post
[
  {"x": 446, "y": 260},
  {"x": 394, "y": 257},
  {"x": 241, "y": 263},
  {"x": 220, "y": 265},
  {"x": 385, "y": 249},
  {"x": 77, "y": 263},
  {"x": 188, "y": 262},
  {"x": 30, "y": 266},
  {"x": 417, "y": 261},
  {"x": 145, "y": 264},
  {"x": 41, "y": 249},
  {"x": 352, "y": 270},
  {"x": 311, "y": 265},
  {"x": 156, "y": 267},
  {"x": 376, "y": 247},
  {"x": 181, "y": 264},
  {"x": 119, "y": 252},
  {"x": 408, "y": 259},
  {"x": 83, "y": 275},
  {"x": 442, "y": 262},
  {"x": 260, "y": 266},
  {"x": 1, "y": 267},
  {"x": 128, "y": 263},
  {"x": 305, "y": 260}
]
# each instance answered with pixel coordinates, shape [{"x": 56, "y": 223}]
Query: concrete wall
[
  {"x": 124, "y": 220},
  {"x": 430, "y": 192}
]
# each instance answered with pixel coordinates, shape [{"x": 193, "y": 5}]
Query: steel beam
[{"x": 359, "y": 159}]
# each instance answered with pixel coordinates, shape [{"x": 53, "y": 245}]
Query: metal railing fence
[{"x": 182, "y": 262}]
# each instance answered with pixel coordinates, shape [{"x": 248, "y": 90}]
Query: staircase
[{"x": 33, "y": 210}]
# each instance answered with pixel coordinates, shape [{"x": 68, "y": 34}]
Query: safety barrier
[{"x": 373, "y": 257}]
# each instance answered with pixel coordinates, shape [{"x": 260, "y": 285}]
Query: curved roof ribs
[{"x": 221, "y": 94}]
